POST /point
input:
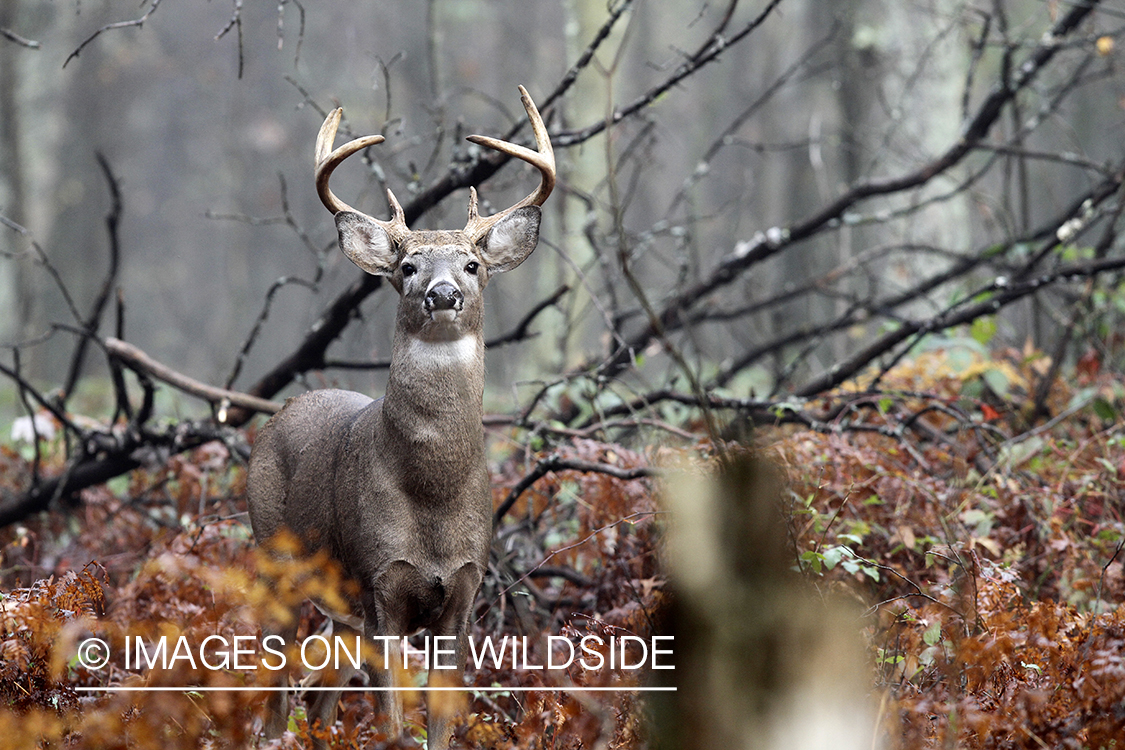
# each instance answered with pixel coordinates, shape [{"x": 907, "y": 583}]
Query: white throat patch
[{"x": 444, "y": 353}]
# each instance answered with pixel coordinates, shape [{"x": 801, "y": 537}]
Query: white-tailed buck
[{"x": 396, "y": 489}]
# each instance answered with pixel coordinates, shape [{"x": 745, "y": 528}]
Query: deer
[{"x": 396, "y": 489}]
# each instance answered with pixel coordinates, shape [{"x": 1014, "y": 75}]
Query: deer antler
[
  {"x": 543, "y": 160},
  {"x": 326, "y": 163}
]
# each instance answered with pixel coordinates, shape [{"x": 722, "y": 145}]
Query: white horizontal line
[{"x": 352, "y": 689}]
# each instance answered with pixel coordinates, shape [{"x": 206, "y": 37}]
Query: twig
[
  {"x": 1101, "y": 578},
  {"x": 37, "y": 461},
  {"x": 138, "y": 22},
  {"x": 263, "y": 314},
  {"x": 541, "y": 428},
  {"x": 519, "y": 333},
  {"x": 555, "y": 462},
  {"x": 321, "y": 261},
  {"x": 44, "y": 261},
  {"x": 26, "y": 389},
  {"x": 22, "y": 41},
  {"x": 300, "y": 29},
  {"x": 235, "y": 22},
  {"x": 93, "y": 320},
  {"x": 310, "y": 354}
]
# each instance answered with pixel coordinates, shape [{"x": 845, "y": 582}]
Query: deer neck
[{"x": 434, "y": 401}]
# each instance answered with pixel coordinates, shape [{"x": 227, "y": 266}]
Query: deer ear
[
  {"x": 511, "y": 240},
  {"x": 366, "y": 243}
]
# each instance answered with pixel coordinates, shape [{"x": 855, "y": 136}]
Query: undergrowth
[{"x": 982, "y": 542}]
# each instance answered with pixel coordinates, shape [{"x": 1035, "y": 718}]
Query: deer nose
[{"x": 444, "y": 296}]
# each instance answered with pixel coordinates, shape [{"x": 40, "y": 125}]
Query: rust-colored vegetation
[{"x": 982, "y": 542}]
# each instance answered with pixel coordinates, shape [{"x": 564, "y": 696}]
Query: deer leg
[
  {"x": 382, "y": 674},
  {"x": 443, "y": 705},
  {"x": 277, "y": 705},
  {"x": 336, "y": 673}
]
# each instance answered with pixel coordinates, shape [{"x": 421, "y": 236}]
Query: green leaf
[
  {"x": 1105, "y": 410},
  {"x": 996, "y": 380},
  {"x": 833, "y": 555},
  {"x": 813, "y": 560},
  {"x": 983, "y": 329},
  {"x": 932, "y": 636}
]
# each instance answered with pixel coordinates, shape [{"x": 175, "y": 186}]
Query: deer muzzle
[{"x": 444, "y": 296}]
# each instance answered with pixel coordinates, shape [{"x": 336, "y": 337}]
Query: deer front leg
[
  {"x": 443, "y": 705},
  {"x": 385, "y": 624},
  {"x": 277, "y": 705},
  {"x": 381, "y": 678},
  {"x": 324, "y": 703}
]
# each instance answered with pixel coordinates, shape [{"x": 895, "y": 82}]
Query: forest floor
[{"x": 982, "y": 541}]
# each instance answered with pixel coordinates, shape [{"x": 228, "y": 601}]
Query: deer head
[{"x": 486, "y": 246}]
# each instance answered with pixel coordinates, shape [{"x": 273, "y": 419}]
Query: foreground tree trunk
[{"x": 762, "y": 663}]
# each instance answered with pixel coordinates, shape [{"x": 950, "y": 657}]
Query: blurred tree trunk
[
  {"x": 899, "y": 96},
  {"x": 33, "y": 96},
  {"x": 763, "y": 662},
  {"x": 14, "y": 294}
]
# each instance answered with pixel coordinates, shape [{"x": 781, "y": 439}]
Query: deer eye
[
  {"x": 472, "y": 267},
  {"x": 408, "y": 269}
]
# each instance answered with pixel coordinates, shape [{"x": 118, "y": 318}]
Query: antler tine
[
  {"x": 543, "y": 159},
  {"x": 327, "y": 161}
]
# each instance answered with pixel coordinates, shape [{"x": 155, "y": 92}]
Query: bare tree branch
[
  {"x": 769, "y": 243},
  {"x": 707, "y": 53},
  {"x": 141, "y": 362},
  {"x": 93, "y": 320},
  {"x": 993, "y": 256},
  {"x": 236, "y": 23},
  {"x": 138, "y": 22},
  {"x": 997, "y": 295}
]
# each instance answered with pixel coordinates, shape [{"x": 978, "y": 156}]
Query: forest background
[{"x": 873, "y": 244}]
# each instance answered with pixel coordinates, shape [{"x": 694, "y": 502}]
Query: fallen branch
[
  {"x": 107, "y": 454},
  {"x": 138, "y": 360}
]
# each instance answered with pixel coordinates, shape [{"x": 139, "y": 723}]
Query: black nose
[{"x": 444, "y": 296}]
